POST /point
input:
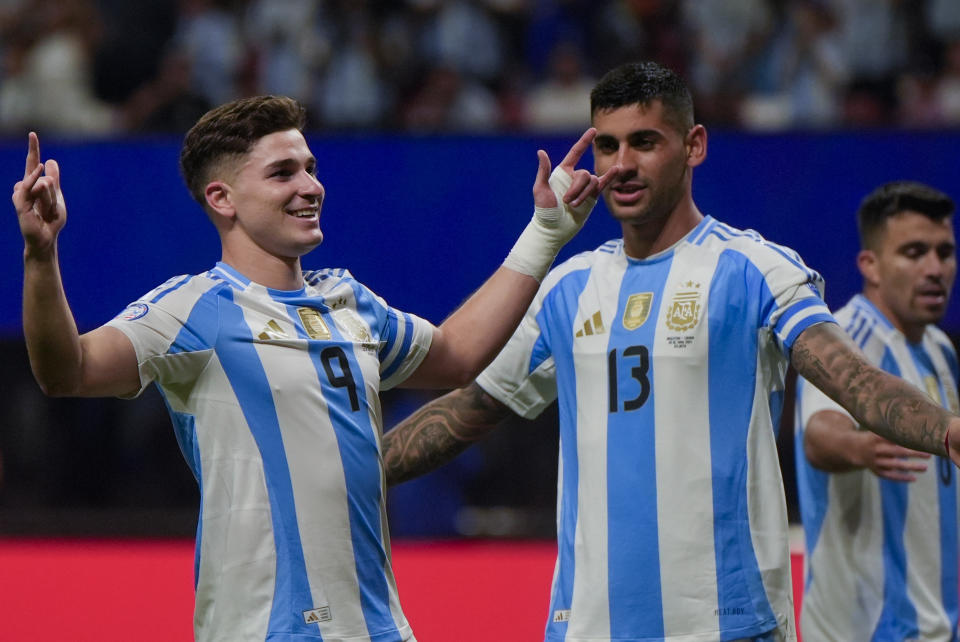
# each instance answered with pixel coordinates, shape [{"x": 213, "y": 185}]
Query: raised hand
[
  {"x": 562, "y": 202},
  {"x": 39, "y": 201},
  {"x": 577, "y": 189}
]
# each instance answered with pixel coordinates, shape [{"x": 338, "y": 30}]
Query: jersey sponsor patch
[
  {"x": 637, "y": 310},
  {"x": 563, "y": 615},
  {"x": 134, "y": 311},
  {"x": 314, "y": 324}
]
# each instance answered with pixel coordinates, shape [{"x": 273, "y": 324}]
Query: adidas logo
[
  {"x": 272, "y": 331},
  {"x": 315, "y": 616},
  {"x": 593, "y": 325}
]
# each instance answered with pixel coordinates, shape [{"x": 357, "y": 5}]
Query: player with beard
[
  {"x": 881, "y": 520},
  {"x": 666, "y": 350}
]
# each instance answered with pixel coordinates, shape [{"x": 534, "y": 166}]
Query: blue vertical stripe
[
  {"x": 359, "y": 455},
  {"x": 737, "y": 285},
  {"x": 204, "y": 326},
  {"x": 185, "y": 430},
  {"x": 237, "y": 353},
  {"x": 898, "y": 619},
  {"x": 811, "y": 483},
  {"x": 633, "y": 537},
  {"x": 556, "y": 325}
]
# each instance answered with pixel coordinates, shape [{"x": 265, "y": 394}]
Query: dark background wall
[{"x": 422, "y": 221}]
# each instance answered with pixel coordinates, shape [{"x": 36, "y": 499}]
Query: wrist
[
  {"x": 33, "y": 254},
  {"x": 536, "y": 248}
]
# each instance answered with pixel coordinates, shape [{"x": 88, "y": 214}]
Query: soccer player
[
  {"x": 666, "y": 350},
  {"x": 272, "y": 374},
  {"x": 881, "y": 520}
]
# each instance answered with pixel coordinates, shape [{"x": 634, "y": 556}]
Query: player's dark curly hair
[
  {"x": 642, "y": 83},
  {"x": 229, "y": 131},
  {"x": 893, "y": 198}
]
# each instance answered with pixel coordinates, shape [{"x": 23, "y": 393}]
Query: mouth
[
  {"x": 306, "y": 212},
  {"x": 932, "y": 297},
  {"x": 627, "y": 193}
]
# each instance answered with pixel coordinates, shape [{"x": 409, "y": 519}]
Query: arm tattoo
[
  {"x": 880, "y": 401},
  {"x": 438, "y": 432}
]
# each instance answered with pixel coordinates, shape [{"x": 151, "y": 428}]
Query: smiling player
[{"x": 272, "y": 374}]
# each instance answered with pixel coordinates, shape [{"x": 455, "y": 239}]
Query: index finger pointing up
[
  {"x": 576, "y": 152},
  {"x": 33, "y": 154}
]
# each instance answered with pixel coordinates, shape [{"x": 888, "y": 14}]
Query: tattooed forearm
[
  {"x": 882, "y": 402},
  {"x": 438, "y": 432}
]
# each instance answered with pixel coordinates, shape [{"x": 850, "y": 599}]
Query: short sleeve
[
  {"x": 523, "y": 375},
  {"x": 406, "y": 342},
  {"x": 172, "y": 334}
]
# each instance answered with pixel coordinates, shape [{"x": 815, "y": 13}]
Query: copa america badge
[{"x": 134, "y": 311}]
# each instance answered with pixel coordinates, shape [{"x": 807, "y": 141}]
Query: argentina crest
[
  {"x": 684, "y": 310},
  {"x": 637, "y": 310}
]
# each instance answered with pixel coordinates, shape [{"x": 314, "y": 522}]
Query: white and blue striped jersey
[
  {"x": 882, "y": 556},
  {"x": 669, "y": 373},
  {"x": 274, "y": 401}
]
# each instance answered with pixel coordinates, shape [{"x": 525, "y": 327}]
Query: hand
[
  {"x": 953, "y": 441},
  {"x": 563, "y": 200},
  {"x": 887, "y": 460},
  {"x": 576, "y": 189},
  {"x": 39, "y": 201}
]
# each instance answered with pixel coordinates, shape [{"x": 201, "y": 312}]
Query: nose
[
  {"x": 934, "y": 266},
  {"x": 311, "y": 186},
  {"x": 626, "y": 160}
]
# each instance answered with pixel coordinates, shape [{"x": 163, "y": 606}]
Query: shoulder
[
  {"x": 941, "y": 339},
  {"x": 723, "y": 237},
  {"x": 609, "y": 252},
  {"x": 179, "y": 292},
  {"x": 329, "y": 282},
  {"x": 327, "y": 275},
  {"x": 868, "y": 328}
]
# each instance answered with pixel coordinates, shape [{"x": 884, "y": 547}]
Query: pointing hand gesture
[
  {"x": 575, "y": 189},
  {"x": 39, "y": 200},
  {"x": 562, "y": 202}
]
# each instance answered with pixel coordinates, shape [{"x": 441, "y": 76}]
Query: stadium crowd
[{"x": 110, "y": 67}]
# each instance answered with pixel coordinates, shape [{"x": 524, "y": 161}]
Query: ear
[
  {"x": 869, "y": 267},
  {"x": 696, "y": 145},
  {"x": 220, "y": 199}
]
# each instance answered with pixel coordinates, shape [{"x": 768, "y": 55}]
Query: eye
[
  {"x": 914, "y": 251},
  {"x": 644, "y": 144},
  {"x": 605, "y": 145}
]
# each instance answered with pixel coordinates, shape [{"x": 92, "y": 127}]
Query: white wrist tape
[{"x": 548, "y": 231}]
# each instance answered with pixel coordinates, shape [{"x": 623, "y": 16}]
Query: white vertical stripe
[
  {"x": 853, "y": 518},
  {"x": 684, "y": 480},
  {"x": 236, "y": 578},
  {"x": 590, "y": 607}
]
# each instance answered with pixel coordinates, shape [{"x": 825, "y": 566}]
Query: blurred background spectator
[{"x": 106, "y": 67}]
